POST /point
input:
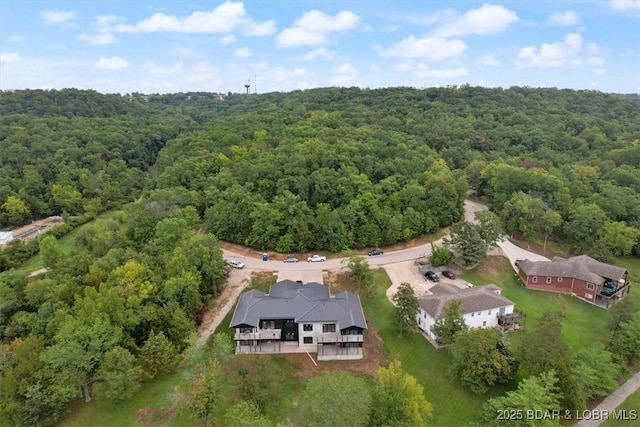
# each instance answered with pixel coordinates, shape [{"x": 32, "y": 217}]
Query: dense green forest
[{"x": 323, "y": 169}]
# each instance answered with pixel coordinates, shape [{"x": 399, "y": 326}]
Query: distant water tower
[{"x": 247, "y": 85}]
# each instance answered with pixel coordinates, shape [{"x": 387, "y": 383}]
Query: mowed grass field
[
  {"x": 453, "y": 404},
  {"x": 583, "y": 325}
]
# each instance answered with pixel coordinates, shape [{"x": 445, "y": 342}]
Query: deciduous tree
[
  {"x": 398, "y": 399},
  {"x": 481, "y": 358},
  {"x": 595, "y": 372},
  {"x": 157, "y": 355},
  {"x": 201, "y": 393},
  {"x": 449, "y": 327},
  {"x": 406, "y": 308},
  {"x": 538, "y": 394},
  {"x": 118, "y": 376},
  {"x": 360, "y": 272}
]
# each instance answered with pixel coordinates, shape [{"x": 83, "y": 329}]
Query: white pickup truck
[{"x": 317, "y": 258}]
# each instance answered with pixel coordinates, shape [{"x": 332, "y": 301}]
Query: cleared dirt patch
[{"x": 373, "y": 355}]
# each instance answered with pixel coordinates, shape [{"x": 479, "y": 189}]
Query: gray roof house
[
  {"x": 483, "y": 307},
  {"x": 294, "y": 317},
  {"x": 582, "y": 276}
]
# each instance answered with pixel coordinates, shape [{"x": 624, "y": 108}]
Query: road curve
[{"x": 510, "y": 250}]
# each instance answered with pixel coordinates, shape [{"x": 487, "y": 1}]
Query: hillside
[{"x": 324, "y": 169}]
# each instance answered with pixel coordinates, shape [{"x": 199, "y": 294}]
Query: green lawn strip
[
  {"x": 66, "y": 244},
  {"x": 152, "y": 399},
  {"x": 452, "y": 403},
  {"x": 633, "y": 418}
]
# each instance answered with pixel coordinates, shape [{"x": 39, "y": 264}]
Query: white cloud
[
  {"x": 489, "y": 60},
  {"x": 282, "y": 74},
  {"x": 428, "y": 48},
  {"x": 106, "y": 20},
  {"x": 56, "y": 17},
  {"x": 313, "y": 26},
  {"x": 633, "y": 5},
  {"x": 113, "y": 63},
  {"x": 9, "y": 57},
  {"x": 228, "y": 39},
  {"x": 423, "y": 71},
  {"x": 567, "y": 53},
  {"x": 242, "y": 52},
  {"x": 291, "y": 37},
  {"x": 595, "y": 61},
  {"x": 563, "y": 19},
  {"x": 100, "y": 38},
  {"x": 343, "y": 74},
  {"x": 599, "y": 72},
  {"x": 488, "y": 19},
  {"x": 18, "y": 38},
  {"x": 162, "y": 70},
  {"x": 225, "y": 18},
  {"x": 265, "y": 28},
  {"x": 319, "y": 53},
  {"x": 433, "y": 18}
]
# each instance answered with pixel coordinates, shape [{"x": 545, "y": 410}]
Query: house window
[
  {"x": 548, "y": 280},
  {"x": 588, "y": 296},
  {"x": 559, "y": 279},
  {"x": 268, "y": 324},
  {"x": 307, "y": 327},
  {"x": 484, "y": 323},
  {"x": 289, "y": 336},
  {"x": 245, "y": 330},
  {"x": 328, "y": 327},
  {"x": 590, "y": 286},
  {"x": 307, "y": 340},
  {"x": 534, "y": 279},
  {"x": 351, "y": 332},
  {"x": 489, "y": 312},
  {"x": 473, "y": 314},
  {"x": 288, "y": 323}
]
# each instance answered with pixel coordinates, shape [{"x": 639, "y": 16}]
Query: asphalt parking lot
[{"x": 407, "y": 271}]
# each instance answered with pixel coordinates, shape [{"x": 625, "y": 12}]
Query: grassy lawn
[
  {"x": 583, "y": 323},
  {"x": 453, "y": 404},
  {"x": 66, "y": 244}
]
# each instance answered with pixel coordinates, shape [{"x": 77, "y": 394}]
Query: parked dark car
[
  {"x": 608, "y": 288},
  {"x": 376, "y": 251},
  {"x": 449, "y": 274},
  {"x": 431, "y": 275}
]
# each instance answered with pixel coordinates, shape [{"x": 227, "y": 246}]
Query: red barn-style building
[{"x": 588, "y": 279}]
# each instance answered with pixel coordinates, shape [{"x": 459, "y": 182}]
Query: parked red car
[{"x": 449, "y": 274}]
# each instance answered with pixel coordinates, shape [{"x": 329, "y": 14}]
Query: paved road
[{"x": 511, "y": 251}]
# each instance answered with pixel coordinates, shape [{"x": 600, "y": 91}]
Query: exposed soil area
[{"x": 373, "y": 354}]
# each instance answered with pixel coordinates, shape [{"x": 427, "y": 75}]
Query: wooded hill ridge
[
  {"x": 329, "y": 168},
  {"x": 321, "y": 169}
]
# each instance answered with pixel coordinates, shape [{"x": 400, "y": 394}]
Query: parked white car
[
  {"x": 236, "y": 264},
  {"x": 317, "y": 258}
]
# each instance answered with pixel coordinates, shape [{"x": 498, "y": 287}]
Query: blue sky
[{"x": 179, "y": 46}]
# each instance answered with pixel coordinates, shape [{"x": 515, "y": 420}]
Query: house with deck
[
  {"x": 483, "y": 306},
  {"x": 582, "y": 276},
  {"x": 295, "y": 317}
]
